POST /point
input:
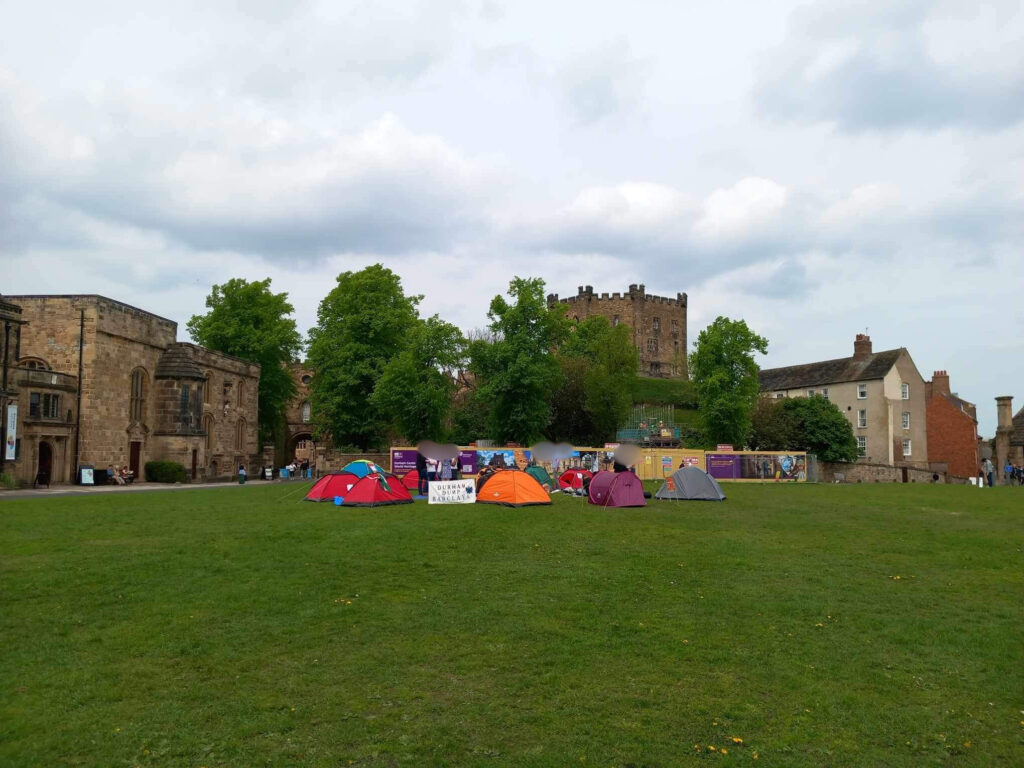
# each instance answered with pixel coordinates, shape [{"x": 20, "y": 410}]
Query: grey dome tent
[{"x": 690, "y": 483}]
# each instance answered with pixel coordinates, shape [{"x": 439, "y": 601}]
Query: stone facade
[
  {"x": 299, "y": 443},
  {"x": 882, "y": 394},
  {"x": 658, "y": 323},
  {"x": 839, "y": 472},
  {"x": 952, "y": 429},
  {"x": 143, "y": 396},
  {"x": 1009, "y": 442}
]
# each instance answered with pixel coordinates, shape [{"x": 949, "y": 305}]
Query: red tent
[
  {"x": 411, "y": 479},
  {"x": 377, "y": 490},
  {"x": 329, "y": 486},
  {"x": 573, "y": 478}
]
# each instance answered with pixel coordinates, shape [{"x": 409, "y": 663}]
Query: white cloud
[{"x": 741, "y": 209}]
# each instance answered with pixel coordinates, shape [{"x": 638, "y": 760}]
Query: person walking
[{"x": 990, "y": 471}]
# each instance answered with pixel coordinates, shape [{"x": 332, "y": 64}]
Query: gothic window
[
  {"x": 208, "y": 429},
  {"x": 240, "y": 435},
  {"x": 305, "y": 412},
  {"x": 34, "y": 364},
  {"x": 207, "y": 387},
  {"x": 241, "y": 393},
  {"x": 137, "y": 405},
  {"x": 184, "y": 412}
]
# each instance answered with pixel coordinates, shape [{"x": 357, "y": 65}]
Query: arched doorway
[
  {"x": 300, "y": 447},
  {"x": 45, "y": 463}
]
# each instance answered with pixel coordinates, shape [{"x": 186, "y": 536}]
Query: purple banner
[
  {"x": 403, "y": 461},
  {"x": 467, "y": 462},
  {"x": 723, "y": 466}
]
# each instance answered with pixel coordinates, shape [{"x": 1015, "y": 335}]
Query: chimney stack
[
  {"x": 861, "y": 346},
  {"x": 1004, "y": 412},
  {"x": 940, "y": 383}
]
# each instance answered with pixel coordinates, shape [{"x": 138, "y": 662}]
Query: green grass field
[{"x": 791, "y": 625}]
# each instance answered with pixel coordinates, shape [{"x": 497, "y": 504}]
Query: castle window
[
  {"x": 240, "y": 435},
  {"x": 241, "y": 393},
  {"x": 652, "y": 346},
  {"x": 305, "y": 412},
  {"x": 137, "y": 404},
  {"x": 656, "y": 325},
  {"x": 207, "y": 387},
  {"x": 34, "y": 364},
  {"x": 675, "y": 326},
  {"x": 208, "y": 429},
  {"x": 43, "y": 406},
  {"x": 655, "y": 368},
  {"x": 184, "y": 412}
]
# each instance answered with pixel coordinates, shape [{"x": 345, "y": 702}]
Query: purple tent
[{"x": 616, "y": 489}]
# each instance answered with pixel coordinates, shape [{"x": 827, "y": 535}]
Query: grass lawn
[{"x": 821, "y": 625}]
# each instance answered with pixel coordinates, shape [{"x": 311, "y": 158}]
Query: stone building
[
  {"x": 299, "y": 444},
  {"x": 106, "y": 383},
  {"x": 881, "y": 393},
  {"x": 658, "y": 323},
  {"x": 1009, "y": 435},
  {"x": 952, "y": 428}
]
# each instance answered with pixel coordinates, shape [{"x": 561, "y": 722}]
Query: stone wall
[
  {"x": 832, "y": 472},
  {"x": 658, "y": 323},
  {"x": 329, "y": 460}
]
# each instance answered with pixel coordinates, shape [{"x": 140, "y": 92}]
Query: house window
[
  {"x": 824, "y": 392},
  {"x": 906, "y": 419},
  {"x": 51, "y": 406},
  {"x": 810, "y": 393},
  {"x": 905, "y": 391},
  {"x": 305, "y": 412},
  {"x": 137, "y": 405},
  {"x": 779, "y": 395},
  {"x": 862, "y": 446},
  {"x": 906, "y": 447},
  {"x": 862, "y": 418},
  {"x": 862, "y": 391}
]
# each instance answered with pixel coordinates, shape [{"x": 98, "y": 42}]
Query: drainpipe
[{"x": 78, "y": 409}]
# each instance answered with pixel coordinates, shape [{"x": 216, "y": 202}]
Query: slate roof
[
  {"x": 844, "y": 369},
  {"x": 1017, "y": 436}
]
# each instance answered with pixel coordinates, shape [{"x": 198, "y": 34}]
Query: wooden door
[{"x": 134, "y": 454}]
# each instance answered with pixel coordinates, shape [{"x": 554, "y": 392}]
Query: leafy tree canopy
[
  {"x": 598, "y": 364},
  {"x": 248, "y": 320},
  {"x": 811, "y": 424},
  {"x": 725, "y": 373},
  {"x": 363, "y": 323},
  {"x": 417, "y": 385},
  {"x": 518, "y": 371}
]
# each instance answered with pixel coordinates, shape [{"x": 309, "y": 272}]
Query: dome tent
[
  {"x": 574, "y": 479},
  {"x": 690, "y": 483},
  {"x": 510, "y": 488},
  {"x": 377, "y": 490},
  {"x": 616, "y": 489},
  {"x": 361, "y": 468},
  {"x": 332, "y": 485},
  {"x": 538, "y": 473}
]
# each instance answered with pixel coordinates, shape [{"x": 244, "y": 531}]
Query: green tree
[
  {"x": 362, "y": 324},
  {"x": 417, "y": 385},
  {"x": 518, "y": 371},
  {"x": 248, "y": 320},
  {"x": 725, "y": 373},
  {"x": 598, "y": 364},
  {"x": 811, "y": 424}
]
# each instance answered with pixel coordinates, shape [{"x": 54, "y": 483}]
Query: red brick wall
[{"x": 952, "y": 437}]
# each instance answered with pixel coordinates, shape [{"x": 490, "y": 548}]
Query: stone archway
[{"x": 300, "y": 446}]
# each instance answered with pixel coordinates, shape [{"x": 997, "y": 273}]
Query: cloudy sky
[{"x": 817, "y": 169}]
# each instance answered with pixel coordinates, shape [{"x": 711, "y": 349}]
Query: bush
[
  {"x": 8, "y": 481},
  {"x": 678, "y": 392},
  {"x": 165, "y": 472}
]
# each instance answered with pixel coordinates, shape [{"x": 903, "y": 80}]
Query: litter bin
[{"x": 284, "y": 473}]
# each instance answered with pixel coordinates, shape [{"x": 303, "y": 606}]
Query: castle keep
[{"x": 658, "y": 323}]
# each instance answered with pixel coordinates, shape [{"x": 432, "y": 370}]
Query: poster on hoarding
[
  {"x": 452, "y": 492},
  {"x": 403, "y": 461},
  {"x": 11, "y": 442}
]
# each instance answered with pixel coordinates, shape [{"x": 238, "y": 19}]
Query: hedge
[{"x": 165, "y": 472}]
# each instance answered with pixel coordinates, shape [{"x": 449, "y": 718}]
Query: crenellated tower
[{"x": 658, "y": 323}]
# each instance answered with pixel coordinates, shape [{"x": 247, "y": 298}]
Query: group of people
[
  {"x": 1012, "y": 475},
  {"x": 428, "y": 470},
  {"x": 122, "y": 476}
]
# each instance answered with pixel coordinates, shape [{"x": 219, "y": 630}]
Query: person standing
[
  {"x": 431, "y": 471},
  {"x": 241, "y": 474},
  {"x": 990, "y": 471},
  {"x": 421, "y": 474},
  {"x": 444, "y": 470},
  {"x": 1008, "y": 472}
]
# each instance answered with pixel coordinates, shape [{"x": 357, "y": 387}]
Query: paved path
[{"x": 85, "y": 490}]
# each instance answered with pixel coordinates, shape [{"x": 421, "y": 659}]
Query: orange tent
[{"x": 511, "y": 488}]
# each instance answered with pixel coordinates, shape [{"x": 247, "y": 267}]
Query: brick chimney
[
  {"x": 861, "y": 346},
  {"x": 1004, "y": 412},
  {"x": 940, "y": 383}
]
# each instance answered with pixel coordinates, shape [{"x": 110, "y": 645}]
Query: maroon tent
[{"x": 616, "y": 489}]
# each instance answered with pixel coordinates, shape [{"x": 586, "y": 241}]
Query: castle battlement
[{"x": 635, "y": 293}]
